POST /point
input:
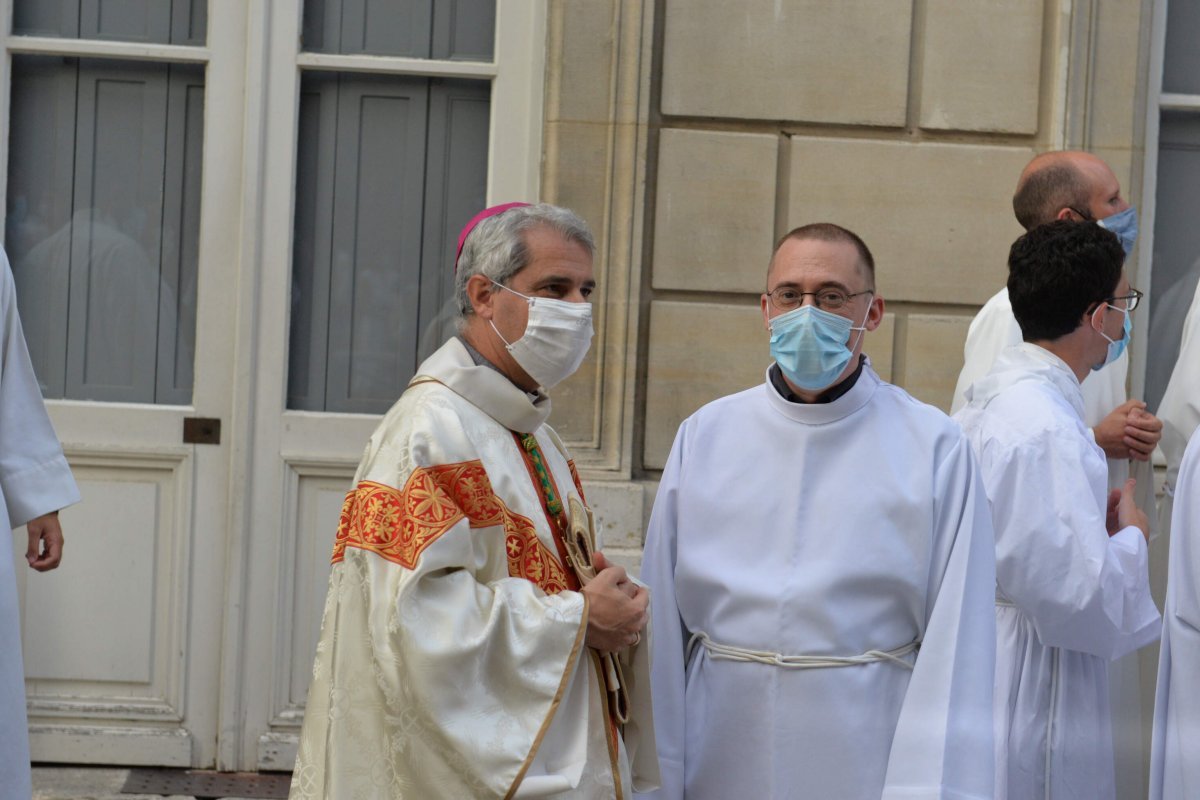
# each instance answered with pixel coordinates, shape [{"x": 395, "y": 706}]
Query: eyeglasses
[
  {"x": 786, "y": 298},
  {"x": 1131, "y": 300}
]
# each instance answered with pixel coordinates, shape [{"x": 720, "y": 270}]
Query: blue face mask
[
  {"x": 809, "y": 345},
  {"x": 1115, "y": 347},
  {"x": 1125, "y": 225}
]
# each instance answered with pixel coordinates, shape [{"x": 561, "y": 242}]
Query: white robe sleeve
[
  {"x": 943, "y": 742},
  {"x": 1175, "y": 759},
  {"x": 1082, "y": 589},
  {"x": 670, "y": 636},
  {"x": 34, "y": 475},
  {"x": 993, "y": 329},
  {"x": 1180, "y": 406}
]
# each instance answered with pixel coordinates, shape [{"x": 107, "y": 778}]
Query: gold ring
[{"x": 637, "y": 639}]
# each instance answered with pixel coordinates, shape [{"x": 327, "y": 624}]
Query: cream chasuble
[
  {"x": 822, "y": 582},
  {"x": 1175, "y": 756},
  {"x": 34, "y": 480},
  {"x": 451, "y": 662},
  {"x": 1070, "y": 598}
]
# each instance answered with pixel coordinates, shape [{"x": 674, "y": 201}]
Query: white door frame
[{"x": 122, "y": 441}]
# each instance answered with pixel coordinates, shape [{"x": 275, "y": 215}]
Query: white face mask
[{"x": 556, "y": 339}]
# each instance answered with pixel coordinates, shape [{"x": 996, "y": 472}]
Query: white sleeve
[
  {"x": 670, "y": 636},
  {"x": 1180, "y": 406},
  {"x": 993, "y": 329},
  {"x": 1082, "y": 589},
  {"x": 943, "y": 746},
  {"x": 34, "y": 475},
  {"x": 1174, "y": 759}
]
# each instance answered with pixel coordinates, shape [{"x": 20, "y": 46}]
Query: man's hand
[
  {"x": 601, "y": 563},
  {"x": 1129, "y": 431},
  {"x": 45, "y": 542},
  {"x": 1129, "y": 514},
  {"x": 617, "y": 608},
  {"x": 1111, "y": 520},
  {"x": 1142, "y": 432}
]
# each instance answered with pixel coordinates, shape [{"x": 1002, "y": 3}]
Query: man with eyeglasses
[
  {"x": 1072, "y": 581},
  {"x": 1073, "y": 185},
  {"x": 820, "y": 557}
]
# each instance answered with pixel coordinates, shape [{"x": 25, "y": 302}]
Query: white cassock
[
  {"x": 1179, "y": 409},
  {"x": 35, "y": 480},
  {"x": 1175, "y": 754},
  {"x": 793, "y": 534},
  {"x": 452, "y": 661},
  {"x": 994, "y": 329},
  {"x": 1069, "y": 597}
]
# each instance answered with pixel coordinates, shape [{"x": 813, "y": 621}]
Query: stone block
[
  {"x": 715, "y": 212},
  {"x": 805, "y": 60},
  {"x": 619, "y": 508},
  {"x": 937, "y": 217},
  {"x": 698, "y": 352},
  {"x": 880, "y": 344},
  {"x": 585, "y": 70},
  {"x": 933, "y": 356},
  {"x": 982, "y": 65}
]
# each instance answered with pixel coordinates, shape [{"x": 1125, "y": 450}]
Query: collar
[
  {"x": 479, "y": 382},
  {"x": 834, "y": 404},
  {"x": 1023, "y": 362},
  {"x": 775, "y": 376}
]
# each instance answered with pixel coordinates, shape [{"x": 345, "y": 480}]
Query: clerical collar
[
  {"x": 828, "y": 396},
  {"x": 481, "y": 361}
]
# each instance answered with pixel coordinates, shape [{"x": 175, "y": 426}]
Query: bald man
[{"x": 1079, "y": 186}]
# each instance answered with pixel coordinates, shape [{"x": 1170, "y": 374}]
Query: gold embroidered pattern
[{"x": 398, "y": 524}]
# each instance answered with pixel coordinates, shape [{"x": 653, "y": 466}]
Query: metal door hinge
[{"x": 201, "y": 430}]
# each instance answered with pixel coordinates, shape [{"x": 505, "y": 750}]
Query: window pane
[
  {"x": 388, "y": 169},
  {"x": 464, "y": 30},
  {"x": 103, "y": 200},
  {"x": 1176, "y": 246},
  {"x": 415, "y": 28},
  {"x": 152, "y": 21},
  {"x": 1181, "y": 60}
]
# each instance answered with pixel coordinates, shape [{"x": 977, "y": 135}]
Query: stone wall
[{"x": 693, "y": 133}]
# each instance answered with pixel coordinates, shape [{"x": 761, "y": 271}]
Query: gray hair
[{"x": 496, "y": 247}]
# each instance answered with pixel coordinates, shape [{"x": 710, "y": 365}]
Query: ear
[
  {"x": 482, "y": 293},
  {"x": 875, "y": 314},
  {"x": 1069, "y": 214},
  {"x": 764, "y": 300}
]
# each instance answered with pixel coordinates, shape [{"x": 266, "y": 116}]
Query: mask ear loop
[
  {"x": 507, "y": 344},
  {"x": 862, "y": 329},
  {"x": 1100, "y": 330}
]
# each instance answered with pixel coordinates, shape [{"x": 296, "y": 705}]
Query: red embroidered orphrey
[{"x": 398, "y": 524}]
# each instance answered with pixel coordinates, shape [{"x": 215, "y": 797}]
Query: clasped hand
[
  {"x": 617, "y": 608},
  {"x": 1129, "y": 431}
]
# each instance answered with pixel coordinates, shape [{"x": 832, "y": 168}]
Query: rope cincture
[{"x": 728, "y": 652}]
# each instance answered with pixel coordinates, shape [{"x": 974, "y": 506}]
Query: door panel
[{"x": 105, "y": 636}]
